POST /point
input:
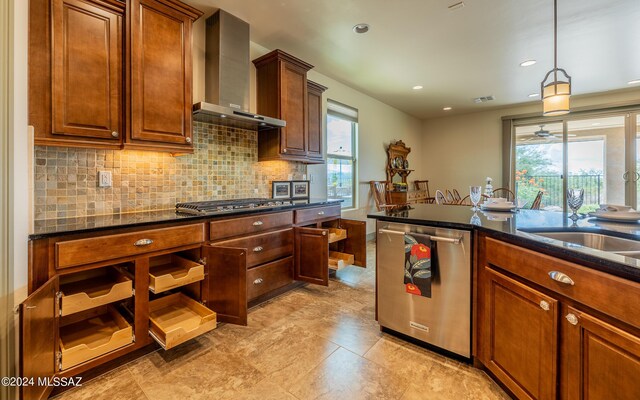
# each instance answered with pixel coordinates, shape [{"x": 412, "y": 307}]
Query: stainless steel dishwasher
[{"x": 444, "y": 320}]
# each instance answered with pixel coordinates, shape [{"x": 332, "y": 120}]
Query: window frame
[{"x": 354, "y": 150}]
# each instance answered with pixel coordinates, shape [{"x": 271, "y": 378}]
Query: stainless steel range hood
[{"x": 227, "y": 76}]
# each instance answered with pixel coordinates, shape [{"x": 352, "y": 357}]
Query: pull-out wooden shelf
[
  {"x": 337, "y": 234},
  {"x": 97, "y": 288},
  {"x": 92, "y": 337},
  {"x": 177, "y": 271},
  {"x": 177, "y": 318},
  {"x": 338, "y": 260}
]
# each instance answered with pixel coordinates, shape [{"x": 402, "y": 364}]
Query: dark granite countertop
[
  {"x": 520, "y": 228},
  {"x": 56, "y": 227}
]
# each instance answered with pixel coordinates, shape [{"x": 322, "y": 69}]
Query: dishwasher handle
[{"x": 457, "y": 240}]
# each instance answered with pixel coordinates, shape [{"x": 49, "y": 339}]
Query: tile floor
[{"x": 311, "y": 343}]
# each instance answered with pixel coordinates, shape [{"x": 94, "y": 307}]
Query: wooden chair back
[
  {"x": 537, "y": 202},
  {"x": 449, "y": 196},
  {"x": 379, "y": 193},
  {"x": 503, "y": 192},
  {"x": 465, "y": 201},
  {"x": 456, "y": 196},
  {"x": 440, "y": 198},
  {"x": 423, "y": 185}
]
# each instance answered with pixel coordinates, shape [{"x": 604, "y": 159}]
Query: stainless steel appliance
[
  {"x": 444, "y": 320},
  {"x": 222, "y": 206}
]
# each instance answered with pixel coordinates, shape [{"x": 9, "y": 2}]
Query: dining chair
[
  {"x": 440, "y": 198},
  {"x": 380, "y": 196},
  {"x": 456, "y": 196},
  {"x": 424, "y": 185},
  {"x": 503, "y": 192},
  {"x": 449, "y": 196},
  {"x": 465, "y": 201},
  {"x": 537, "y": 202}
]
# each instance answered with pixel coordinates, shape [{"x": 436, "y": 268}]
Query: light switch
[{"x": 104, "y": 179}]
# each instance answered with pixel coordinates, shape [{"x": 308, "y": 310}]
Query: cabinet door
[
  {"x": 314, "y": 120},
  {"x": 87, "y": 69},
  {"x": 600, "y": 361},
  {"x": 39, "y": 338},
  {"x": 520, "y": 337},
  {"x": 311, "y": 256},
  {"x": 161, "y": 73},
  {"x": 356, "y": 241},
  {"x": 226, "y": 293},
  {"x": 293, "y": 87}
]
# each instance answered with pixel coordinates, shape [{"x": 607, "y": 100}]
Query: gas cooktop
[{"x": 221, "y": 206}]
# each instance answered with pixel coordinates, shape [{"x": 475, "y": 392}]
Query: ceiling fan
[{"x": 544, "y": 134}]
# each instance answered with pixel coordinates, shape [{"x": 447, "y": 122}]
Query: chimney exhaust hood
[{"x": 227, "y": 76}]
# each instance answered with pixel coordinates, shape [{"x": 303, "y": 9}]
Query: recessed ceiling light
[
  {"x": 447, "y": 109},
  {"x": 534, "y": 95},
  {"x": 361, "y": 28},
  {"x": 528, "y": 63},
  {"x": 633, "y": 82},
  {"x": 417, "y": 87}
]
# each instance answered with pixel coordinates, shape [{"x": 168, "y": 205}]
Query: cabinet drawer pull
[
  {"x": 188, "y": 140},
  {"x": 257, "y": 223},
  {"x": 573, "y": 320},
  {"x": 320, "y": 212},
  {"x": 258, "y": 281},
  {"x": 114, "y": 134},
  {"x": 143, "y": 242},
  {"x": 561, "y": 277},
  {"x": 258, "y": 249},
  {"x": 544, "y": 305}
]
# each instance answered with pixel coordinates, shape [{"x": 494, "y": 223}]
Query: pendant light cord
[{"x": 555, "y": 42}]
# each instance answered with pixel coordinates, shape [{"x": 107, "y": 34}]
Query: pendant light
[{"x": 556, "y": 93}]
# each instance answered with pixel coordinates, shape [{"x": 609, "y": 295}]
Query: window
[
  {"x": 595, "y": 151},
  {"x": 342, "y": 128}
]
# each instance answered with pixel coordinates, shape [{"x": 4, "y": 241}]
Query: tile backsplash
[{"x": 224, "y": 166}]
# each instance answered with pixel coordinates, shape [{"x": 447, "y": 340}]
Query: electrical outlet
[{"x": 104, "y": 179}]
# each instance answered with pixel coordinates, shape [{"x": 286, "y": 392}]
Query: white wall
[
  {"x": 462, "y": 150},
  {"x": 378, "y": 124}
]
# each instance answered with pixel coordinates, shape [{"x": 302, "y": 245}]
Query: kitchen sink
[{"x": 598, "y": 241}]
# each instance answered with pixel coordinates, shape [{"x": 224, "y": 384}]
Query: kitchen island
[{"x": 550, "y": 318}]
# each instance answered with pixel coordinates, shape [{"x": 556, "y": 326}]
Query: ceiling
[{"x": 455, "y": 55}]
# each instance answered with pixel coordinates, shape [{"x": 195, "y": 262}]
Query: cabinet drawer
[
  {"x": 268, "y": 277},
  {"x": 81, "y": 341},
  {"x": 173, "y": 271},
  {"x": 72, "y": 253},
  {"x": 249, "y": 225},
  {"x": 176, "y": 318},
  {"x": 308, "y": 215},
  {"x": 264, "y": 247},
  {"x": 593, "y": 288},
  {"x": 93, "y": 289}
]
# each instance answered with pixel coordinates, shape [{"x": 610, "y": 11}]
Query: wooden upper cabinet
[
  {"x": 520, "y": 336},
  {"x": 282, "y": 93},
  {"x": 161, "y": 74},
  {"x": 314, "y": 121},
  {"x": 76, "y": 72},
  {"x": 600, "y": 361}
]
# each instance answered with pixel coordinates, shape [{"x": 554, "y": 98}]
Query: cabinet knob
[
  {"x": 561, "y": 277},
  {"x": 258, "y": 249},
  {"x": 188, "y": 140},
  {"x": 114, "y": 134},
  {"x": 284, "y": 150},
  {"x": 573, "y": 320},
  {"x": 143, "y": 242},
  {"x": 257, "y": 223},
  {"x": 258, "y": 281},
  {"x": 544, "y": 305}
]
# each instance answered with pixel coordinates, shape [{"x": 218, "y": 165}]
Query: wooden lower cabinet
[
  {"x": 521, "y": 336},
  {"x": 539, "y": 342},
  {"x": 600, "y": 361}
]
